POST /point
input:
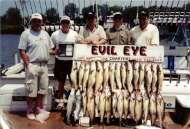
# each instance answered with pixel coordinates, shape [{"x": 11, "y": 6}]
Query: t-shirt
[
  {"x": 96, "y": 34},
  {"x": 148, "y": 36},
  {"x": 36, "y": 45},
  {"x": 58, "y": 37}
]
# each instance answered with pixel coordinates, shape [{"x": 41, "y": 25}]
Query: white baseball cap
[
  {"x": 65, "y": 18},
  {"x": 36, "y": 16}
]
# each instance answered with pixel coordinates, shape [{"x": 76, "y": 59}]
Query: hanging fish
[
  {"x": 135, "y": 74},
  {"x": 154, "y": 78},
  {"x": 146, "y": 106},
  {"x": 86, "y": 75},
  {"x": 114, "y": 105},
  {"x": 97, "y": 103},
  {"x": 160, "y": 78},
  {"x": 160, "y": 109},
  {"x": 118, "y": 75},
  {"x": 153, "y": 108},
  {"x": 129, "y": 77},
  {"x": 99, "y": 76},
  {"x": 77, "y": 105},
  {"x": 108, "y": 104},
  {"x": 125, "y": 103},
  {"x": 73, "y": 75},
  {"x": 84, "y": 102},
  {"x": 123, "y": 75},
  {"x": 92, "y": 76},
  {"x": 102, "y": 106},
  {"x": 90, "y": 104},
  {"x": 112, "y": 76},
  {"x": 105, "y": 74},
  {"x": 132, "y": 105},
  {"x": 148, "y": 78},
  {"x": 141, "y": 78},
  {"x": 120, "y": 104},
  {"x": 138, "y": 107},
  {"x": 81, "y": 74}
]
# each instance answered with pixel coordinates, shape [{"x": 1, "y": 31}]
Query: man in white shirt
[
  {"x": 92, "y": 33},
  {"x": 145, "y": 33},
  {"x": 62, "y": 67}
]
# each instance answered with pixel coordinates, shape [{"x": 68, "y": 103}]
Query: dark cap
[
  {"x": 90, "y": 15},
  {"x": 144, "y": 13}
]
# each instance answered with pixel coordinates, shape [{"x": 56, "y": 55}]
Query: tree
[
  {"x": 52, "y": 15},
  {"x": 13, "y": 17},
  {"x": 71, "y": 10},
  {"x": 115, "y": 8}
]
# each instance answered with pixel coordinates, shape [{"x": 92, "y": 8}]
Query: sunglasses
[{"x": 65, "y": 22}]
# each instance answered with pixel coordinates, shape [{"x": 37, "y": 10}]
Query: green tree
[
  {"x": 13, "y": 17},
  {"x": 71, "y": 10},
  {"x": 52, "y": 16}
]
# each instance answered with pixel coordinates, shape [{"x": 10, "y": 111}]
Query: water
[{"x": 8, "y": 47}]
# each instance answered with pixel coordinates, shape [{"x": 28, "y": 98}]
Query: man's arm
[{"x": 24, "y": 57}]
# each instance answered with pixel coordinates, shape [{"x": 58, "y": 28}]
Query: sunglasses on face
[{"x": 65, "y": 22}]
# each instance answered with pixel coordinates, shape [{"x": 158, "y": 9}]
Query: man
[
  {"x": 34, "y": 47},
  {"x": 92, "y": 33},
  {"x": 145, "y": 33},
  {"x": 62, "y": 67},
  {"x": 118, "y": 34}
]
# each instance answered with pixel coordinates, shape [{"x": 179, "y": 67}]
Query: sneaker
[
  {"x": 41, "y": 117},
  {"x": 40, "y": 110},
  {"x": 30, "y": 116}
]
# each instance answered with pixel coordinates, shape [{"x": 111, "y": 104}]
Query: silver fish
[
  {"x": 92, "y": 76},
  {"x": 148, "y": 78},
  {"x": 114, "y": 104},
  {"x": 112, "y": 76},
  {"x": 129, "y": 77},
  {"x": 108, "y": 104},
  {"x": 102, "y": 106},
  {"x": 123, "y": 75},
  {"x": 160, "y": 78},
  {"x": 135, "y": 75},
  {"x": 118, "y": 75},
  {"x": 153, "y": 108},
  {"x": 154, "y": 77},
  {"x": 106, "y": 74},
  {"x": 132, "y": 105},
  {"x": 120, "y": 104},
  {"x": 84, "y": 102},
  {"x": 86, "y": 75},
  {"x": 125, "y": 103},
  {"x": 73, "y": 75},
  {"x": 77, "y": 105},
  {"x": 145, "y": 107},
  {"x": 90, "y": 104},
  {"x": 141, "y": 78},
  {"x": 81, "y": 74},
  {"x": 97, "y": 103},
  {"x": 160, "y": 109},
  {"x": 70, "y": 104},
  {"x": 138, "y": 107},
  {"x": 99, "y": 77}
]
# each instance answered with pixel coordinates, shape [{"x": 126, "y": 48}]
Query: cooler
[
  {"x": 183, "y": 108},
  {"x": 13, "y": 98}
]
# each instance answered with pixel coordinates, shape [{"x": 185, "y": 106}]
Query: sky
[{"x": 5, "y": 4}]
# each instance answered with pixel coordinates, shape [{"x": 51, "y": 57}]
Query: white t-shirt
[
  {"x": 148, "y": 36},
  {"x": 36, "y": 45},
  {"x": 58, "y": 37}
]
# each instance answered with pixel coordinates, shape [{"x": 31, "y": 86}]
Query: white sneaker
[
  {"x": 43, "y": 111},
  {"x": 42, "y": 117},
  {"x": 30, "y": 116}
]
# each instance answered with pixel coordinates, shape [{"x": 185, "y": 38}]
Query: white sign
[{"x": 118, "y": 53}]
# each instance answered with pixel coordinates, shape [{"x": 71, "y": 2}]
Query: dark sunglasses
[
  {"x": 117, "y": 17},
  {"x": 65, "y": 22}
]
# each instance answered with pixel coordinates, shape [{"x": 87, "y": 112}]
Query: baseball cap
[
  {"x": 65, "y": 18},
  {"x": 36, "y": 16},
  {"x": 90, "y": 15},
  {"x": 144, "y": 13}
]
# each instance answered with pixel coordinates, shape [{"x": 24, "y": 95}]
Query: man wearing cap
[
  {"x": 62, "y": 67},
  {"x": 92, "y": 33},
  {"x": 145, "y": 33},
  {"x": 118, "y": 34},
  {"x": 34, "y": 47}
]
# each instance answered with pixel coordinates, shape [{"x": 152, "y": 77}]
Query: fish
[
  {"x": 102, "y": 106},
  {"x": 135, "y": 75},
  {"x": 153, "y": 108},
  {"x": 90, "y": 104},
  {"x": 148, "y": 78},
  {"x": 123, "y": 75},
  {"x": 125, "y": 103},
  {"x": 97, "y": 103},
  {"x": 108, "y": 104},
  {"x": 120, "y": 104},
  {"x": 145, "y": 107},
  {"x": 141, "y": 77},
  {"x": 118, "y": 75},
  {"x": 160, "y": 110},
  {"x": 129, "y": 77},
  {"x": 112, "y": 76},
  {"x": 105, "y": 74},
  {"x": 70, "y": 104},
  {"x": 132, "y": 105},
  {"x": 154, "y": 78},
  {"x": 84, "y": 102},
  {"x": 92, "y": 76},
  {"x": 160, "y": 73},
  {"x": 85, "y": 78},
  {"x": 99, "y": 77},
  {"x": 138, "y": 107},
  {"x": 114, "y": 104},
  {"x": 77, "y": 105},
  {"x": 73, "y": 75},
  {"x": 81, "y": 74}
]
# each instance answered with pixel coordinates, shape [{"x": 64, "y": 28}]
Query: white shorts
[{"x": 37, "y": 79}]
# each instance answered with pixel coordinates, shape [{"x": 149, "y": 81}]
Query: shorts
[
  {"x": 62, "y": 69},
  {"x": 37, "y": 79}
]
